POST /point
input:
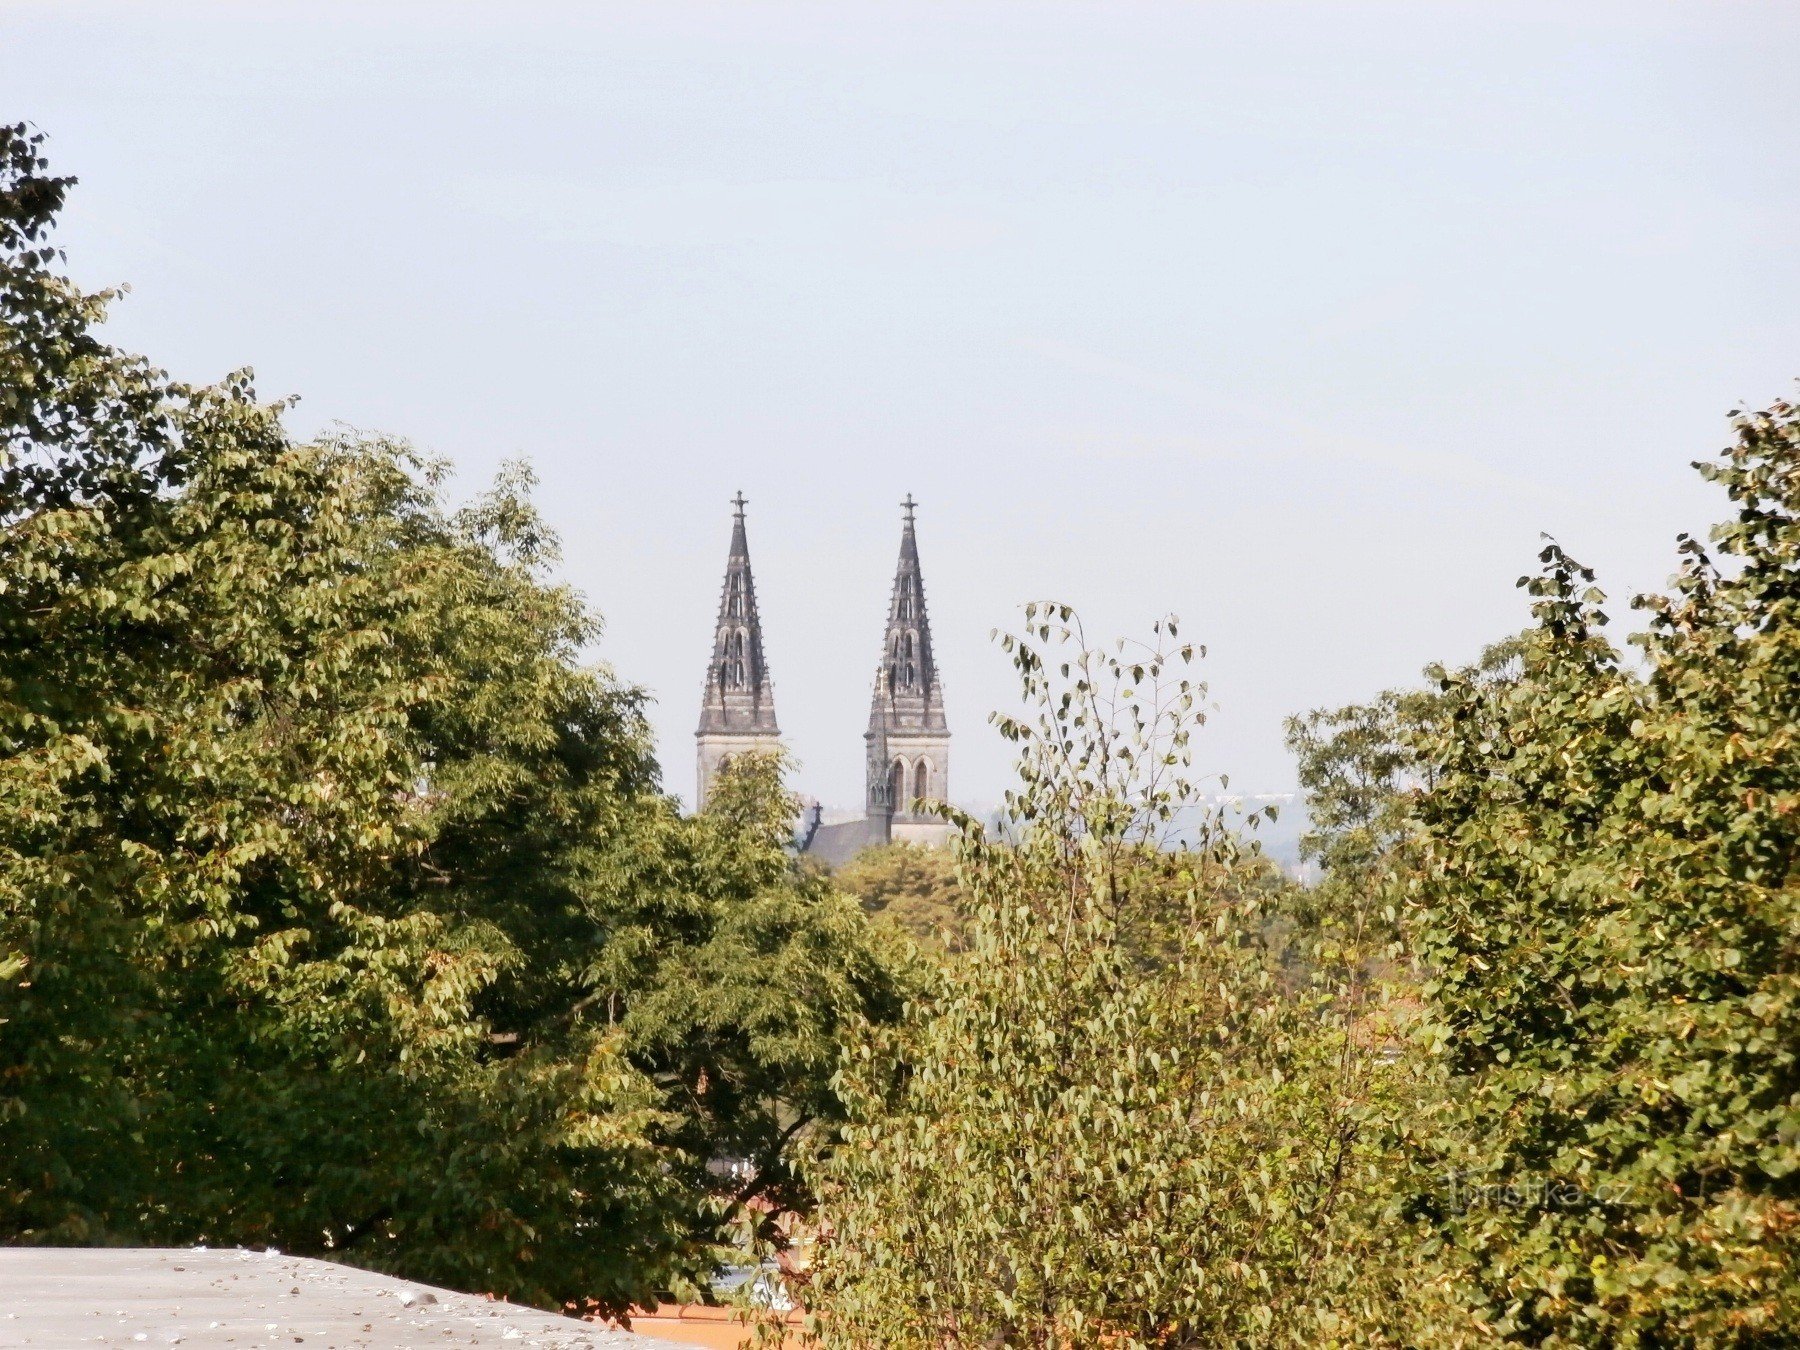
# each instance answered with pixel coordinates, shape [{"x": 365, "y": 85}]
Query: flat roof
[{"x": 71, "y": 1298}]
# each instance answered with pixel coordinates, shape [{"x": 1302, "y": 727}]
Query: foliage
[
  {"x": 339, "y": 906},
  {"x": 1070, "y": 1144},
  {"x": 736, "y": 980},
  {"x": 1607, "y": 905},
  {"x": 912, "y": 887},
  {"x": 1360, "y": 767},
  {"x": 340, "y": 909}
]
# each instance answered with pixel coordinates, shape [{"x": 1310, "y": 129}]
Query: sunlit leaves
[
  {"x": 1605, "y": 900},
  {"x": 1115, "y": 1122}
]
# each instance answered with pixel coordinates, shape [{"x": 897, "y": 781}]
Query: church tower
[
  {"x": 737, "y": 712},
  {"x": 908, "y": 741}
]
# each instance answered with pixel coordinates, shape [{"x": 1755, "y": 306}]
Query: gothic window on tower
[
  {"x": 912, "y": 675},
  {"x": 736, "y": 668},
  {"x": 897, "y": 786},
  {"x": 922, "y": 779}
]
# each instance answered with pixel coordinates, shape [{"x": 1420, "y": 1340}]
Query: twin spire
[
  {"x": 908, "y": 672},
  {"x": 907, "y": 745},
  {"x": 907, "y": 740},
  {"x": 740, "y": 696}
]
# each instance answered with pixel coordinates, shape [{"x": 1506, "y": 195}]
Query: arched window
[
  {"x": 735, "y": 607},
  {"x": 735, "y": 648},
  {"x": 922, "y": 779},
  {"x": 897, "y": 786}
]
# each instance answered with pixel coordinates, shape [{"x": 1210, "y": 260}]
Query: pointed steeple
[
  {"x": 908, "y": 684},
  {"x": 740, "y": 696},
  {"x": 908, "y": 739}
]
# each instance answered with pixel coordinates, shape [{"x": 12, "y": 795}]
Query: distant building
[{"x": 907, "y": 745}]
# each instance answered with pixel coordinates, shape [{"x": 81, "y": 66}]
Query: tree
[
  {"x": 1605, "y": 899},
  {"x": 736, "y": 971},
  {"x": 1361, "y": 768},
  {"x": 339, "y": 905},
  {"x": 911, "y": 887},
  {"x": 1085, "y": 1136}
]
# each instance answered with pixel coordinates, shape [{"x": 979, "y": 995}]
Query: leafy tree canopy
[
  {"x": 1113, "y": 1122},
  {"x": 1586, "y": 865},
  {"x": 340, "y": 908},
  {"x": 1606, "y": 905},
  {"x": 912, "y": 887}
]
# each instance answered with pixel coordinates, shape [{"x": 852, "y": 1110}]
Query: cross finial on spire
[
  {"x": 738, "y": 502},
  {"x": 909, "y": 503}
]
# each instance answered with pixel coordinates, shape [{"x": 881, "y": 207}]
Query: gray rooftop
[{"x": 66, "y": 1298}]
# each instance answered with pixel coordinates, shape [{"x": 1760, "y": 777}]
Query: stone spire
[
  {"x": 737, "y": 712},
  {"x": 908, "y": 740}
]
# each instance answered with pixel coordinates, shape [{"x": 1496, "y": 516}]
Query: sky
[{"x": 1302, "y": 322}]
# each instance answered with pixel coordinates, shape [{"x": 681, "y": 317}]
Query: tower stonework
[
  {"x": 737, "y": 711},
  {"x": 908, "y": 741}
]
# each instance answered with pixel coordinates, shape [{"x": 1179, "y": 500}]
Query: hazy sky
[{"x": 1301, "y": 321}]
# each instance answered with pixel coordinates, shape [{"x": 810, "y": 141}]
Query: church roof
[{"x": 740, "y": 696}]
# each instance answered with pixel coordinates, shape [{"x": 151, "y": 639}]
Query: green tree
[
  {"x": 1085, "y": 1139},
  {"x": 736, "y": 981},
  {"x": 1606, "y": 904},
  {"x": 911, "y": 887},
  {"x": 1361, "y": 768},
  {"x": 339, "y": 905}
]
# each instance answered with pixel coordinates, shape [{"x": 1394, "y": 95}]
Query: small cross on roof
[
  {"x": 909, "y": 503},
  {"x": 738, "y": 501}
]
